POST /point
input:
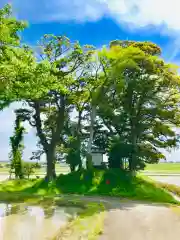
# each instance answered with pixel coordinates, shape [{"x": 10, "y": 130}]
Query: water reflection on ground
[{"x": 21, "y": 222}]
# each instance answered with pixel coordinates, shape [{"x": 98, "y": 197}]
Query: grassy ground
[
  {"x": 101, "y": 183},
  {"x": 163, "y": 168},
  {"x": 171, "y": 188}
]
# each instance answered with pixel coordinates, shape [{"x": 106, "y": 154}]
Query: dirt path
[{"x": 137, "y": 221}]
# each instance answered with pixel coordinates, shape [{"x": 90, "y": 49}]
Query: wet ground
[{"x": 22, "y": 222}]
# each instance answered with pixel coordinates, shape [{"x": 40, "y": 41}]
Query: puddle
[{"x": 21, "y": 222}]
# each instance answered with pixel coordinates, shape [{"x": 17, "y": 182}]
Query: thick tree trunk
[
  {"x": 132, "y": 162},
  {"x": 51, "y": 171},
  {"x": 133, "y": 155},
  {"x": 79, "y": 134},
  {"x": 49, "y": 148},
  {"x": 79, "y": 153},
  {"x": 80, "y": 165},
  {"x": 72, "y": 168},
  {"x": 89, "y": 163}
]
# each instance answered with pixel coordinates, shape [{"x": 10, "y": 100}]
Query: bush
[
  {"x": 28, "y": 169},
  {"x": 37, "y": 165},
  {"x": 7, "y": 165}
]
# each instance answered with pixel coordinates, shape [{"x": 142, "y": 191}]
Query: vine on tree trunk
[{"x": 17, "y": 148}]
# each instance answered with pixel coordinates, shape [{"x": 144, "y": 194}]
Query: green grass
[
  {"x": 171, "y": 188},
  {"x": 163, "y": 168},
  {"x": 89, "y": 183}
]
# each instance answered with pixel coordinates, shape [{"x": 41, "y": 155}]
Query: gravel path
[
  {"x": 138, "y": 221},
  {"x": 135, "y": 220}
]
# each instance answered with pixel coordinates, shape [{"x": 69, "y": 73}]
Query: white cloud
[
  {"x": 137, "y": 13},
  {"x": 132, "y": 13},
  {"x": 144, "y": 12}
]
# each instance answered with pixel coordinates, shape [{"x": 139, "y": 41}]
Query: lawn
[
  {"x": 163, "y": 168},
  {"x": 96, "y": 183}
]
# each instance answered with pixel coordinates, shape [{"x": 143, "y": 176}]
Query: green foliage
[
  {"x": 37, "y": 165},
  {"x": 28, "y": 169},
  {"x": 9, "y": 27},
  {"x": 13, "y": 57},
  {"x": 73, "y": 157},
  {"x": 118, "y": 153},
  {"x": 147, "y": 47},
  {"x": 141, "y": 101},
  {"x": 17, "y": 148},
  {"x": 16, "y": 164},
  {"x": 7, "y": 165}
]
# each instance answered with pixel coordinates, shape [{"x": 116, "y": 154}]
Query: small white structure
[{"x": 97, "y": 157}]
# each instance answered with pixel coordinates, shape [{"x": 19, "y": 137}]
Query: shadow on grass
[{"x": 114, "y": 183}]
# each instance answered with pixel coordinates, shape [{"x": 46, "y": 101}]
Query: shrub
[{"x": 28, "y": 169}]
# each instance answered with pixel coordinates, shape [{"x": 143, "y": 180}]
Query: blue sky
[{"x": 95, "y": 22}]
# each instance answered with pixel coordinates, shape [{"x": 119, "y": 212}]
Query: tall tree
[
  {"x": 10, "y": 53},
  {"x": 142, "y": 101},
  {"x": 53, "y": 82}
]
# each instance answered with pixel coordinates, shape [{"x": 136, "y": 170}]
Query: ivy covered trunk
[
  {"x": 18, "y": 165},
  {"x": 16, "y": 142}
]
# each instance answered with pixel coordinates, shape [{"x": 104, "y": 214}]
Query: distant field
[
  {"x": 59, "y": 169},
  {"x": 164, "y": 168},
  {"x": 154, "y": 168}
]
